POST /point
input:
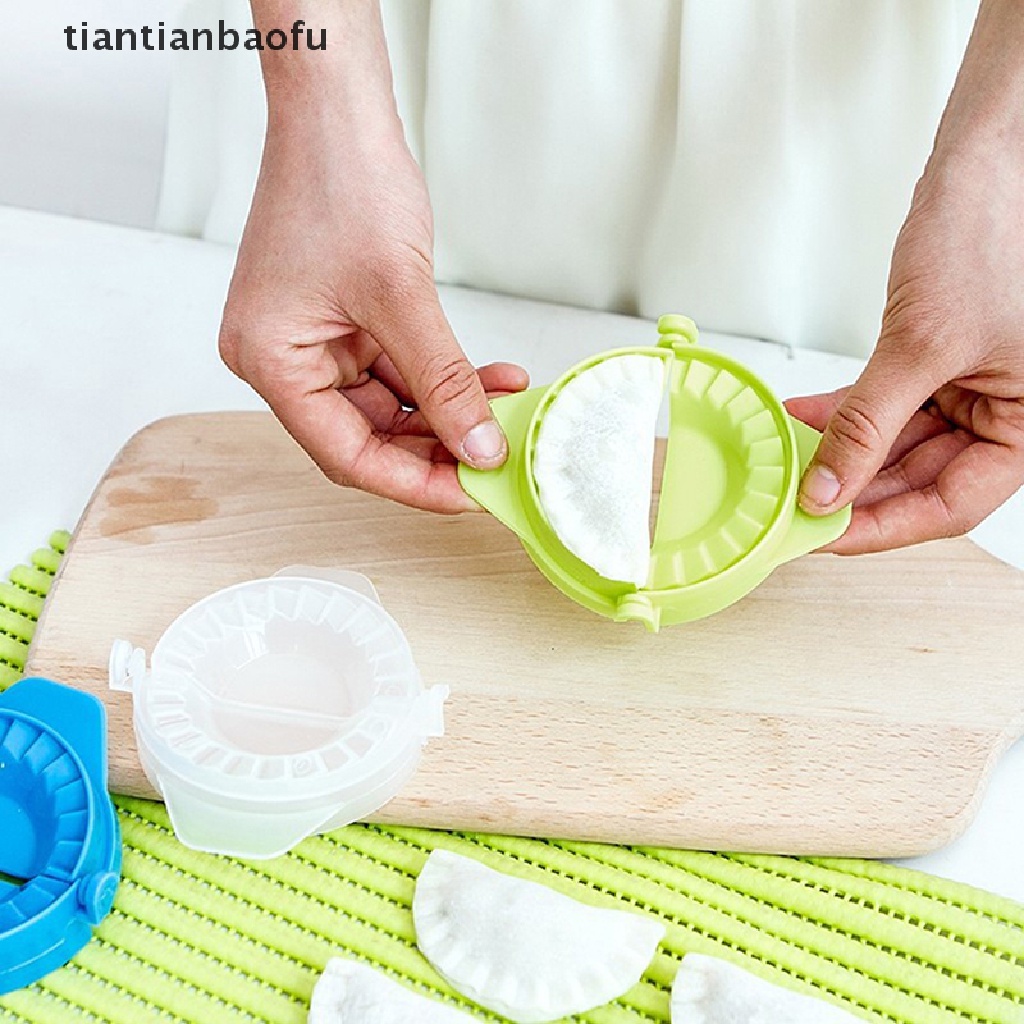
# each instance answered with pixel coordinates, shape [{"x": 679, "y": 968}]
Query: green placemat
[{"x": 198, "y": 938}]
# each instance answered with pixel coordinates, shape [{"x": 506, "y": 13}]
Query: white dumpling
[
  {"x": 712, "y": 991},
  {"x": 594, "y": 460},
  {"x": 521, "y": 949},
  {"x": 352, "y": 993}
]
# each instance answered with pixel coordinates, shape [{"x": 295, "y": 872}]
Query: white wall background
[{"x": 81, "y": 133}]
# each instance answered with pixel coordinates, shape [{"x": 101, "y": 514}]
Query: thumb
[
  {"x": 896, "y": 382},
  {"x": 416, "y": 335}
]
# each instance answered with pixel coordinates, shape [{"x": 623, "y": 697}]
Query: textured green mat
[{"x": 196, "y": 938}]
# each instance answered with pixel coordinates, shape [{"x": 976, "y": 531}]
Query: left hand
[{"x": 930, "y": 439}]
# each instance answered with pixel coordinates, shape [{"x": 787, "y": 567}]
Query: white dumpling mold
[{"x": 278, "y": 708}]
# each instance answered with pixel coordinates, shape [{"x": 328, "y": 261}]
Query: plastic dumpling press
[
  {"x": 728, "y": 512},
  {"x": 60, "y": 845}
]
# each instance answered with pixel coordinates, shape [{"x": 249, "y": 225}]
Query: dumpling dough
[
  {"x": 593, "y": 463},
  {"x": 712, "y": 991},
  {"x": 352, "y": 993},
  {"x": 521, "y": 949}
]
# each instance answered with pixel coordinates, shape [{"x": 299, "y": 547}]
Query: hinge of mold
[{"x": 676, "y": 331}]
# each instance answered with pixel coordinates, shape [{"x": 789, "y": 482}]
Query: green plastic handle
[
  {"x": 808, "y": 533},
  {"x": 497, "y": 490}
]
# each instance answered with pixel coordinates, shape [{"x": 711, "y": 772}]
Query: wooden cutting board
[{"x": 847, "y": 707}]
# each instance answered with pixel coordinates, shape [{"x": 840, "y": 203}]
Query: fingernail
[
  {"x": 820, "y": 489},
  {"x": 485, "y": 445}
]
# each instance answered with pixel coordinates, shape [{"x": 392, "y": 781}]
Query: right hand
[{"x": 334, "y": 318}]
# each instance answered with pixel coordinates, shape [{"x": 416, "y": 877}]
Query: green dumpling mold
[{"x": 728, "y": 512}]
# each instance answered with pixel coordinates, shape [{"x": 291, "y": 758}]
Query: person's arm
[
  {"x": 930, "y": 439},
  {"x": 333, "y": 315}
]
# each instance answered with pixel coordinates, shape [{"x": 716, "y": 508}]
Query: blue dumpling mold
[{"x": 60, "y": 845}]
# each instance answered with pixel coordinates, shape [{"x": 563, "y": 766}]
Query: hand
[
  {"x": 952, "y": 342},
  {"x": 930, "y": 440},
  {"x": 333, "y": 315}
]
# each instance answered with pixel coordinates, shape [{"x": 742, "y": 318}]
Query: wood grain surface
[{"x": 846, "y": 707}]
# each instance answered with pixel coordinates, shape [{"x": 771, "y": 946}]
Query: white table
[{"x": 104, "y": 329}]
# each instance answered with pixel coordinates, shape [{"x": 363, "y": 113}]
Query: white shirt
[{"x": 747, "y": 162}]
